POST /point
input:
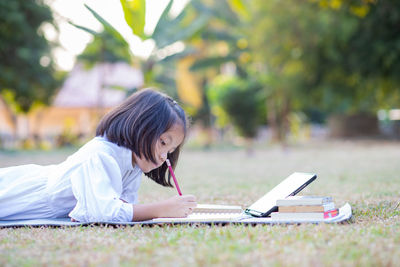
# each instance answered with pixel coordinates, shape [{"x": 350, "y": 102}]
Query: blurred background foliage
[
  {"x": 241, "y": 63},
  {"x": 240, "y": 102},
  {"x": 27, "y": 72}
]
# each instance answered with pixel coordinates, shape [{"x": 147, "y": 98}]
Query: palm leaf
[
  {"x": 107, "y": 26},
  {"x": 135, "y": 15},
  {"x": 164, "y": 19},
  {"x": 83, "y": 28}
]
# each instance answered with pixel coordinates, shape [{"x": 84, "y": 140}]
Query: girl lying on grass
[{"x": 100, "y": 181}]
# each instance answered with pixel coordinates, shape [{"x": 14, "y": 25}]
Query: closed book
[
  {"x": 293, "y": 216},
  {"x": 303, "y": 200},
  {"x": 308, "y": 208}
]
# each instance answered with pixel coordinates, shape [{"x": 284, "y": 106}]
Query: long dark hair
[{"x": 138, "y": 123}]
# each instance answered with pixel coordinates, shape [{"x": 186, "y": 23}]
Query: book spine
[
  {"x": 304, "y": 215},
  {"x": 307, "y": 208}
]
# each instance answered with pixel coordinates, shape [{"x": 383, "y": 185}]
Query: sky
[{"x": 73, "y": 41}]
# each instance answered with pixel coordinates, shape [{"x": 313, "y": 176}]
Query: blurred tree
[
  {"x": 223, "y": 39},
  {"x": 283, "y": 40},
  {"x": 337, "y": 56},
  {"x": 218, "y": 48},
  {"x": 26, "y": 66},
  {"x": 240, "y": 102},
  {"x": 373, "y": 54},
  {"x": 376, "y": 41},
  {"x": 189, "y": 27},
  {"x": 159, "y": 67},
  {"x": 167, "y": 35}
]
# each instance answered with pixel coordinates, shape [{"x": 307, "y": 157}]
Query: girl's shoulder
[
  {"x": 100, "y": 146},
  {"x": 102, "y": 142}
]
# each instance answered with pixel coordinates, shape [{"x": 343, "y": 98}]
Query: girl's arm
[{"x": 177, "y": 206}]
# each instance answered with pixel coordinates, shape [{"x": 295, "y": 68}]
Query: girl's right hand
[{"x": 178, "y": 206}]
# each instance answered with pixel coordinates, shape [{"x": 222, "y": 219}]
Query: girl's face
[{"x": 167, "y": 143}]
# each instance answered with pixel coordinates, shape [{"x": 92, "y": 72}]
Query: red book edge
[{"x": 331, "y": 213}]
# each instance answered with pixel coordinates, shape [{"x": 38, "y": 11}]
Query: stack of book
[{"x": 305, "y": 208}]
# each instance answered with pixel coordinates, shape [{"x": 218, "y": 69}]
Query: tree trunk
[
  {"x": 278, "y": 118},
  {"x": 272, "y": 120}
]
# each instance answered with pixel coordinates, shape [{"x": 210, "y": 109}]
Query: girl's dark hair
[{"x": 138, "y": 123}]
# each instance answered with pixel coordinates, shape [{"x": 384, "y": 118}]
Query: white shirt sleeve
[
  {"x": 131, "y": 185},
  {"x": 97, "y": 187}
]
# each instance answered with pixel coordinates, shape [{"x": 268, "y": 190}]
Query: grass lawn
[{"x": 364, "y": 173}]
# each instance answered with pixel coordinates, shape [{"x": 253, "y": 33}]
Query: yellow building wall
[
  {"x": 54, "y": 121},
  {"x": 7, "y": 125}
]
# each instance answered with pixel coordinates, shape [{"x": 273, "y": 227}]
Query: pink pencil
[{"x": 173, "y": 176}]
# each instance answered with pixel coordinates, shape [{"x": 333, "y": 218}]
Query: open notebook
[{"x": 261, "y": 208}]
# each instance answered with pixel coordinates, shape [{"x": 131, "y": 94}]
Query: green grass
[{"x": 365, "y": 173}]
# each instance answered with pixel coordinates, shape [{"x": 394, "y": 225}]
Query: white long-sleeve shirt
[{"x": 88, "y": 186}]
